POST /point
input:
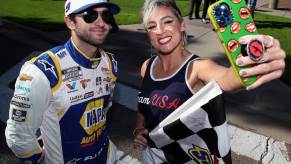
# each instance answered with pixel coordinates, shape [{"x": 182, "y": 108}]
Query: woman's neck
[{"x": 173, "y": 60}]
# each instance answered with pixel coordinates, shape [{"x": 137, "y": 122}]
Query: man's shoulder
[
  {"x": 48, "y": 63},
  {"x": 110, "y": 54}
]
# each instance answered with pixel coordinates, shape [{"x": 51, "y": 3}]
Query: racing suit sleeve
[
  {"x": 114, "y": 72},
  {"x": 28, "y": 104}
]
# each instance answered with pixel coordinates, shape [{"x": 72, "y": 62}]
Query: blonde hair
[{"x": 150, "y": 5}]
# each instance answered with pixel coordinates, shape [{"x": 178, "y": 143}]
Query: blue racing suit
[{"x": 67, "y": 95}]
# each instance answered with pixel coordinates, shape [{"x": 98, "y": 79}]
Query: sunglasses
[{"x": 89, "y": 16}]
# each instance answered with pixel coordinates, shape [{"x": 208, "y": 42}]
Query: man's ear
[
  {"x": 70, "y": 23},
  {"x": 114, "y": 26}
]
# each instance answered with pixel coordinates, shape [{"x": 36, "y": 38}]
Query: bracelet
[{"x": 135, "y": 130}]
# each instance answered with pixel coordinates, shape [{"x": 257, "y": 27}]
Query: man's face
[{"x": 91, "y": 27}]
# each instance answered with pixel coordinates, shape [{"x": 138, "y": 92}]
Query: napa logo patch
[
  {"x": 200, "y": 155},
  {"x": 93, "y": 122}
]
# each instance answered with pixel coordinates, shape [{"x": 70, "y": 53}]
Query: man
[{"x": 66, "y": 92}]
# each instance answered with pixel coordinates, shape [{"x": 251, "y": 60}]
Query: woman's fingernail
[
  {"x": 243, "y": 73},
  {"x": 242, "y": 41},
  {"x": 239, "y": 62},
  {"x": 249, "y": 88}
]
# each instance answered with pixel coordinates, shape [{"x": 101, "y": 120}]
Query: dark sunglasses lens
[
  {"x": 90, "y": 16},
  {"x": 107, "y": 17}
]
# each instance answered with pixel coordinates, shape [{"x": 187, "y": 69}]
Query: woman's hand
[
  {"x": 41, "y": 159},
  {"x": 139, "y": 139},
  {"x": 270, "y": 67}
]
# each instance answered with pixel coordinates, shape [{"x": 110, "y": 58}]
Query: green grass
[
  {"x": 47, "y": 15},
  {"x": 131, "y": 10},
  {"x": 34, "y": 13},
  {"x": 280, "y": 28}
]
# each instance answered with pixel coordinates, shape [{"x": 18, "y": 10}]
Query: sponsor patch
[
  {"x": 24, "y": 77},
  {"x": 19, "y": 115},
  {"x": 20, "y": 104},
  {"x": 23, "y": 88},
  {"x": 85, "y": 82},
  {"x": 108, "y": 79},
  {"x": 98, "y": 80},
  {"x": 100, "y": 91},
  {"x": 72, "y": 74},
  {"x": 93, "y": 121},
  {"x": 80, "y": 97},
  {"x": 105, "y": 70},
  {"x": 21, "y": 97},
  {"x": 72, "y": 86},
  {"x": 61, "y": 54},
  {"x": 107, "y": 88},
  {"x": 48, "y": 67},
  {"x": 89, "y": 94}
]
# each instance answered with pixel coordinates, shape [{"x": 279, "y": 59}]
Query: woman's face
[{"x": 165, "y": 30}]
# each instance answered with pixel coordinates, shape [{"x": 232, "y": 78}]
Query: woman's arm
[
  {"x": 139, "y": 131},
  {"x": 208, "y": 70},
  {"x": 270, "y": 67}
]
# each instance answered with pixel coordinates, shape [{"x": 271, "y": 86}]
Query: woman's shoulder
[{"x": 144, "y": 66}]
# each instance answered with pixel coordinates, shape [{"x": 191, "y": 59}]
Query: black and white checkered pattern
[{"x": 198, "y": 134}]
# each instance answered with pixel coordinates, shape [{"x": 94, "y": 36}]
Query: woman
[{"x": 175, "y": 74}]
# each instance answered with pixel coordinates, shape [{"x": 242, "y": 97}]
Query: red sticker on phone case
[
  {"x": 232, "y": 45},
  {"x": 235, "y": 27},
  {"x": 236, "y": 1},
  {"x": 244, "y": 13},
  {"x": 222, "y": 29},
  {"x": 251, "y": 27}
]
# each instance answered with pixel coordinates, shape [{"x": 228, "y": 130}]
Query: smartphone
[{"x": 232, "y": 19}]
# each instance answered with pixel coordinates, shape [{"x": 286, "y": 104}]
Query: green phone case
[{"x": 230, "y": 26}]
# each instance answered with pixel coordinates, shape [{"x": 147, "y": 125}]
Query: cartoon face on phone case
[{"x": 231, "y": 20}]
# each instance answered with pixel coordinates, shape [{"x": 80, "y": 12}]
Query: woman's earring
[
  {"x": 183, "y": 45},
  {"x": 184, "y": 41}
]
